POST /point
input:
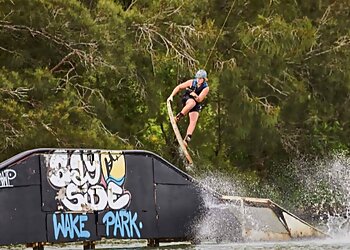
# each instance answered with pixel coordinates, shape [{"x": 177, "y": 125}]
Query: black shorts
[{"x": 196, "y": 108}]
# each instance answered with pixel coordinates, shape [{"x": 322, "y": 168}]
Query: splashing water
[
  {"x": 325, "y": 193},
  {"x": 338, "y": 219},
  {"x": 221, "y": 222},
  {"x": 222, "y": 184}
]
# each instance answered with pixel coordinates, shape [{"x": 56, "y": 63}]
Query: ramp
[
  {"x": 67, "y": 195},
  {"x": 262, "y": 219}
]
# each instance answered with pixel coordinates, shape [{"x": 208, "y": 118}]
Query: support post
[
  {"x": 153, "y": 242},
  {"x": 88, "y": 245},
  {"x": 36, "y": 246}
]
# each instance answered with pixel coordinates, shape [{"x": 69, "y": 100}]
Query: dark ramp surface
[{"x": 63, "y": 195}]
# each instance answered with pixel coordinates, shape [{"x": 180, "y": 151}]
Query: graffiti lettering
[
  {"x": 124, "y": 221},
  {"x": 89, "y": 180},
  {"x": 70, "y": 225},
  {"x": 6, "y": 176},
  {"x": 96, "y": 197}
]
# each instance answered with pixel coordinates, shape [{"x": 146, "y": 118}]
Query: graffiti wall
[
  {"x": 89, "y": 181},
  {"x": 65, "y": 195},
  {"x": 6, "y": 177}
]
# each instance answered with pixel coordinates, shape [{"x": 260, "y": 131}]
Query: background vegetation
[{"x": 96, "y": 74}]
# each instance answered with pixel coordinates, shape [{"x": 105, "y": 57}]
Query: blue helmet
[{"x": 201, "y": 74}]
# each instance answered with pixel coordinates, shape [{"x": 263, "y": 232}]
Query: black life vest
[{"x": 195, "y": 88}]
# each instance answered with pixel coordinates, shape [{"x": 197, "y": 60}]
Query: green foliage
[{"x": 97, "y": 74}]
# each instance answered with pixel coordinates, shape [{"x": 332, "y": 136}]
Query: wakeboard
[{"x": 183, "y": 148}]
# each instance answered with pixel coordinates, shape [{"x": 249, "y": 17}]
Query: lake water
[
  {"x": 290, "y": 245},
  {"x": 337, "y": 242},
  {"x": 311, "y": 244}
]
